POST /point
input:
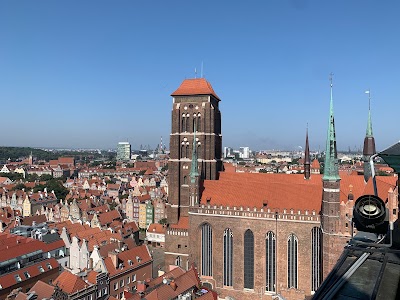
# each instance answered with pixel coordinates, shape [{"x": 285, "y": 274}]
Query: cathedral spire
[
  {"x": 331, "y": 171},
  {"x": 307, "y": 162},
  {"x": 369, "y": 142},
  {"x": 369, "y": 123},
  {"x": 194, "y": 167}
]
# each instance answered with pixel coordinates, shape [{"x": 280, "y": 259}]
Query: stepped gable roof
[
  {"x": 279, "y": 191},
  {"x": 183, "y": 223},
  {"x": 195, "y": 86},
  {"x": 69, "y": 282}
]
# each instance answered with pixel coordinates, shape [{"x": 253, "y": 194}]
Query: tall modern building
[
  {"x": 254, "y": 235},
  {"x": 123, "y": 151}
]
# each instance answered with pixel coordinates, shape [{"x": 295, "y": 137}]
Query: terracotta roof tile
[
  {"x": 92, "y": 277},
  {"x": 183, "y": 223},
  {"x": 69, "y": 282},
  {"x": 182, "y": 283},
  {"x": 278, "y": 191},
  {"x": 197, "y": 86},
  {"x": 157, "y": 228},
  {"x": 129, "y": 255},
  {"x": 42, "y": 290},
  {"x": 9, "y": 279},
  {"x": 107, "y": 217}
]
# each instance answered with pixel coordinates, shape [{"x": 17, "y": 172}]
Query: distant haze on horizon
[{"x": 89, "y": 74}]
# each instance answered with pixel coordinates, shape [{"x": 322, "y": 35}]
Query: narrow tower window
[
  {"x": 248, "y": 259},
  {"x": 315, "y": 258},
  {"x": 270, "y": 261},
  {"x": 292, "y": 261},
  {"x": 206, "y": 250},
  {"x": 228, "y": 257}
]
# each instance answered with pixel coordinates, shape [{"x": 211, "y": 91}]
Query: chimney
[
  {"x": 114, "y": 258},
  {"x": 172, "y": 284}
]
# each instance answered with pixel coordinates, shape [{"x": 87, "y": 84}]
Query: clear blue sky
[{"x": 93, "y": 73}]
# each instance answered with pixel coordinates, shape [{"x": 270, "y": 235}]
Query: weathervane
[
  {"x": 369, "y": 98},
  {"x": 331, "y": 78}
]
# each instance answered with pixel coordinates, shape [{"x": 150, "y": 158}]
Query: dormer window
[{"x": 18, "y": 278}]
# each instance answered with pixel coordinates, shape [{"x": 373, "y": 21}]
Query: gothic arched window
[
  {"x": 248, "y": 259},
  {"x": 199, "y": 123},
  {"x": 292, "y": 260},
  {"x": 316, "y": 273},
  {"x": 182, "y": 151},
  {"x": 206, "y": 250},
  {"x": 184, "y": 179},
  {"x": 270, "y": 261},
  {"x": 228, "y": 257},
  {"x": 178, "y": 261}
]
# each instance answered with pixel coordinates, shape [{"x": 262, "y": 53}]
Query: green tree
[
  {"x": 20, "y": 186},
  {"x": 163, "y": 221},
  {"x": 46, "y": 177},
  {"x": 53, "y": 185},
  {"x": 12, "y": 176},
  {"x": 32, "y": 177}
]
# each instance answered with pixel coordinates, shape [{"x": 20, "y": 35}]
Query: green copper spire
[
  {"x": 369, "y": 124},
  {"x": 194, "y": 168},
  {"x": 331, "y": 171}
]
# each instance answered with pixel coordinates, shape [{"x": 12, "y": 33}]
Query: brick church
[{"x": 256, "y": 235}]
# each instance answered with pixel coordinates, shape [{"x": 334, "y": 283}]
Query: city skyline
[{"x": 91, "y": 74}]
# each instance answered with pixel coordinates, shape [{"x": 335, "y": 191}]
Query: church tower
[
  {"x": 369, "y": 143},
  {"x": 195, "y": 155},
  {"x": 196, "y": 120},
  {"x": 332, "y": 242}
]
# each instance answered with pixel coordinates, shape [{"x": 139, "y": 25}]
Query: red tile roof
[
  {"x": 183, "y": 223},
  {"x": 198, "y": 86},
  {"x": 176, "y": 287},
  {"x": 284, "y": 191},
  {"x": 9, "y": 279},
  {"x": 129, "y": 255},
  {"x": 42, "y": 290},
  {"x": 92, "y": 277},
  {"x": 278, "y": 191},
  {"x": 157, "y": 228},
  {"x": 107, "y": 217},
  {"x": 70, "y": 283},
  {"x": 315, "y": 164}
]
